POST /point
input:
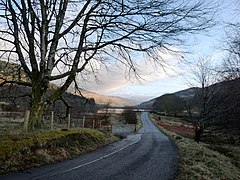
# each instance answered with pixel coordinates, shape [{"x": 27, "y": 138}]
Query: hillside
[
  {"x": 111, "y": 100},
  {"x": 147, "y": 104},
  {"x": 159, "y": 101},
  {"x": 19, "y": 96},
  {"x": 103, "y": 99},
  {"x": 217, "y": 106},
  {"x": 187, "y": 93},
  {"x": 100, "y": 99}
]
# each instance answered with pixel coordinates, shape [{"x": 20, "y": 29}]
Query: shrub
[{"x": 130, "y": 116}]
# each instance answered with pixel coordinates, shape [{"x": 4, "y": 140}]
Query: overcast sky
[{"x": 113, "y": 81}]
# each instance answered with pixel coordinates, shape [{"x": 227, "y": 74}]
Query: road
[{"x": 148, "y": 154}]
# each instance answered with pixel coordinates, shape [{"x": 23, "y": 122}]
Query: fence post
[
  {"x": 83, "y": 122},
  {"x": 52, "y": 118},
  {"x": 26, "y": 120},
  {"x": 93, "y": 123},
  {"x": 69, "y": 121}
]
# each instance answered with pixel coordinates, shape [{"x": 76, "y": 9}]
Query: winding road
[{"x": 148, "y": 154}]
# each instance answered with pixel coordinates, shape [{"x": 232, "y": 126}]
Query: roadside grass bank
[
  {"x": 23, "y": 151},
  {"x": 139, "y": 122},
  {"x": 201, "y": 161}
]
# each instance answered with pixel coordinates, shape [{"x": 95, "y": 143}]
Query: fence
[
  {"x": 87, "y": 120},
  {"x": 14, "y": 122},
  {"x": 101, "y": 121}
]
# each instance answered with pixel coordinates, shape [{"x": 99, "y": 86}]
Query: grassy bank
[
  {"x": 30, "y": 150},
  {"x": 204, "y": 161},
  {"x": 139, "y": 122}
]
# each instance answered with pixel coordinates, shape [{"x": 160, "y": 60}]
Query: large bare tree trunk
[{"x": 37, "y": 109}]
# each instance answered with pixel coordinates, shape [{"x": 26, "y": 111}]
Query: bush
[{"x": 130, "y": 116}]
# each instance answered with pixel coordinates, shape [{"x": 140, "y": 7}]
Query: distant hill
[
  {"x": 9, "y": 71},
  {"x": 147, "y": 104},
  {"x": 18, "y": 98},
  {"x": 113, "y": 101},
  {"x": 158, "y": 101},
  {"x": 219, "y": 105},
  {"x": 187, "y": 93}
]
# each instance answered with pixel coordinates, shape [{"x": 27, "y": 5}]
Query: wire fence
[{"x": 17, "y": 122}]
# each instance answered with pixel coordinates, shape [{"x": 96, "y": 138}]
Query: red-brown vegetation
[{"x": 181, "y": 130}]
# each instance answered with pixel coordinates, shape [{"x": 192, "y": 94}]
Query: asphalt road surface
[{"x": 147, "y": 155}]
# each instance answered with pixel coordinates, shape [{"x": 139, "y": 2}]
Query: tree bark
[{"x": 37, "y": 109}]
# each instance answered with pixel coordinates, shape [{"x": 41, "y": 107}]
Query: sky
[{"x": 113, "y": 82}]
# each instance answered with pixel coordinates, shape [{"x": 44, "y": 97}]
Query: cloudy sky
[{"x": 173, "y": 78}]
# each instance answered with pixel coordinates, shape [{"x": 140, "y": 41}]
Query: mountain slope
[
  {"x": 103, "y": 99},
  {"x": 187, "y": 93},
  {"x": 10, "y": 71},
  {"x": 151, "y": 104}
]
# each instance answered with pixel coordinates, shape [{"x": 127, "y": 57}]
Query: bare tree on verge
[
  {"x": 60, "y": 39},
  {"x": 206, "y": 99},
  {"x": 205, "y": 78}
]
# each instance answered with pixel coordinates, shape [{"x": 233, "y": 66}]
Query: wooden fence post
[
  {"x": 69, "y": 121},
  {"x": 26, "y": 120},
  {"x": 83, "y": 122},
  {"x": 93, "y": 123},
  {"x": 52, "y": 118}
]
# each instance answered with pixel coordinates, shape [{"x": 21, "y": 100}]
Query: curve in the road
[{"x": 148, "y": 154}]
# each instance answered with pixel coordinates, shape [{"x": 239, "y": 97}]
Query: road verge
[
  {"x": 19, "y": 152},
  {"x": 199, "y": 161}
]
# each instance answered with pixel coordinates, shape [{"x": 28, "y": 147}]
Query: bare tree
[
  {"x": 188, "y": 104},
  {"x": 231, "y": 63},
  {"x": 60, "y": 39},
  {"x": 231, "y": 76},
  {"x": 205, "y": 78}
]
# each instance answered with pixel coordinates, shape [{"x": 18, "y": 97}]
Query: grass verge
[
  {"x": 139, "y": 122},
  {"x": 24, "y": 151},
  {"x": 201, "y": 161}
]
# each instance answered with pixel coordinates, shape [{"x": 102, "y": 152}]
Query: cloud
[{"x": 116, "y": 77}]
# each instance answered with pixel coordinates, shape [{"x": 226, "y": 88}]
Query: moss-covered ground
[{"x": 22, "y": 151}]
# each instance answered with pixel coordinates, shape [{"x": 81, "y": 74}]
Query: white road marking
[
  {"x": 105, "y": 156},
  {"x": 91, "y": 162},
  {"x": 114, "y": 147}
]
